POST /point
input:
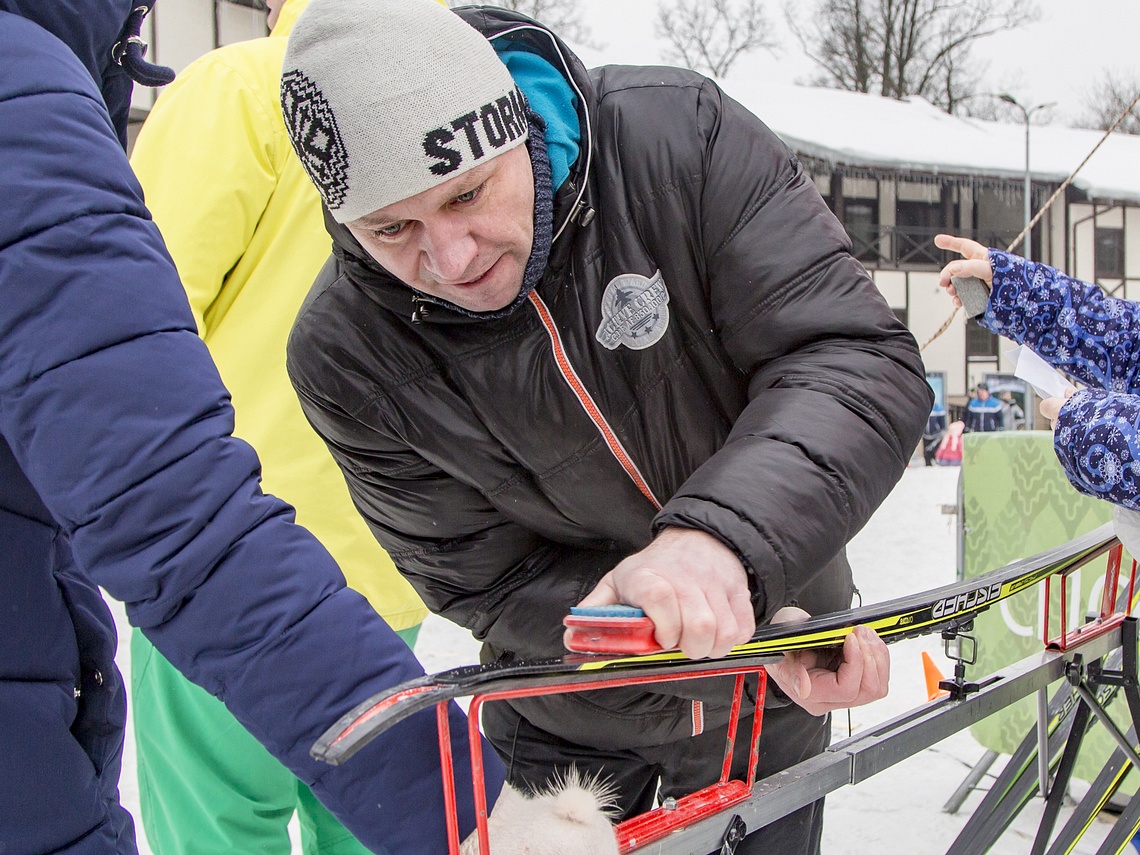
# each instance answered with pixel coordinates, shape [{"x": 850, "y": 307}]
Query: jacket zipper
[{"x": 592, "y": 410}]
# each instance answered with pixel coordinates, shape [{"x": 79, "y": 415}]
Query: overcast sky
[{"x": 1057, "y": 59}]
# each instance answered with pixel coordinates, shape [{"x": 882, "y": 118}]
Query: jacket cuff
[{"x": 716, "y": 520}]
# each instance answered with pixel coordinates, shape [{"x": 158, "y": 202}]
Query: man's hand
[
  {"x": 975, "y": 262},
  {"x": 693, "y": 588},
  {"x": 863, "y": 676}
]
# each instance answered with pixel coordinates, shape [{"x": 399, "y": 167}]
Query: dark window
[
  {"x": 861, "y": 219},
  {"x": 1109, "y": 253},
  {"x": 980, "y": 341},
  {"x": 923, "y": 215},
  {"x": 916, "y": 225}
]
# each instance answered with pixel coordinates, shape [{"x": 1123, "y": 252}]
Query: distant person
[
  {"x": 243, "y": 224},
  {"x": 1093, "y": 339},
  {"x": 1013, "y": 417},
  {"x": 933, "y": 432},
  {"x": 983, "y": 412}
]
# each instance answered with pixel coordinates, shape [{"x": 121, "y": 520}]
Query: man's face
[
  {"x": 274, "y": 8},
  {"x": 983, "y": 394},
  {"x": 466, "y": 241}
]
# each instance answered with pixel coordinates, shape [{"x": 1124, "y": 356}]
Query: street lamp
[
  {"x": 1042, "y": 694},
  {"x": 1009, "y": 99}
]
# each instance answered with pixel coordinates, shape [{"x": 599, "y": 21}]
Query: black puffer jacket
[{"x": 776, "y": 411}]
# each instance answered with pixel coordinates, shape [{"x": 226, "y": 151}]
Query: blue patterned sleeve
[
  {"x": 1071, "y": 324},
  {"x": 1097, "y": 440}
]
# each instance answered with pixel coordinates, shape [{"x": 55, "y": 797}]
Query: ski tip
[{"x": 609, "y": 629}]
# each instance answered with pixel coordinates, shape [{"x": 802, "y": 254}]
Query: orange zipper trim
[{"x": 575, "y": 383}]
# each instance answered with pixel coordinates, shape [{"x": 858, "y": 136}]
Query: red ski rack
[
  {"x": 639, "y": 830},
  {"x": 1109, "y": 616}
]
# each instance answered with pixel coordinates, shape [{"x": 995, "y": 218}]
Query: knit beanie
[{"x": 384, "y": 99}]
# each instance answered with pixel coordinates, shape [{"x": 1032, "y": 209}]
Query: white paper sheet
[{"x": 1046, "y": 381}]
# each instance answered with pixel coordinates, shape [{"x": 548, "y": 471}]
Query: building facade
[
  {"x": 180, "y": 31},
  {"x": 892, "y": 217},
  {"x": 895, "y": 173}
]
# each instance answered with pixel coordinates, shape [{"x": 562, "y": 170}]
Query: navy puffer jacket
[{"x": 117, "y": 469}]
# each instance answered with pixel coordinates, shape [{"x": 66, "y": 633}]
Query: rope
[{"x": 1045, "y": 207}]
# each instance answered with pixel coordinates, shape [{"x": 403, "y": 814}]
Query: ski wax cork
[{"x": 609, "y": 629}]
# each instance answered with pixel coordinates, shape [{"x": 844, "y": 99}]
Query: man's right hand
[{"x": 693, "y": 588}]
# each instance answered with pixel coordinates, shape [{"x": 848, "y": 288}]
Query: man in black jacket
[{"x": 593, "y": 338}]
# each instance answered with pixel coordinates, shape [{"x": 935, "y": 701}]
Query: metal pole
[
  {"x": 1026, "y": 113},
  {"x": 1043, "y": 742},
  {"x": 967, "y": 786},
  {"x": 1028, "y": 189}
]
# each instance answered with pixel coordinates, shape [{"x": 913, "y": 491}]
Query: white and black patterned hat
[{"x": 384, "y": 99}]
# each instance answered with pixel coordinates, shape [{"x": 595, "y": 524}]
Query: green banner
[{"x": 1015, "y": 502}]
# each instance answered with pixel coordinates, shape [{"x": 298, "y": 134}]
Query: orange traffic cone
[{"x": 933, "y": 677}]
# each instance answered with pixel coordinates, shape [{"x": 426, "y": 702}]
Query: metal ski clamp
[
  {"x": 1127, "y": 677},
  {"x": 1087, "y": 679},
  {"x": 953, "y": 637},
  {"x": 736, "y": 831}
]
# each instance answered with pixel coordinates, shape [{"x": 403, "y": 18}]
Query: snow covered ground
[{"x": 908, "y": 546}]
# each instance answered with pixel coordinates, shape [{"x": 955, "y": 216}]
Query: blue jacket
[
  {"x": 984, "y": 415},
  {"x": 1093, "y": 338},
  {"x": 118, "y": 469}
]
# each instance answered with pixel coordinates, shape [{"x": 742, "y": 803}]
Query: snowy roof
[{"x": 855, "y": 129}]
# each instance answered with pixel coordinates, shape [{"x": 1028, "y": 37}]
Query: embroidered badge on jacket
[{"x": 635, "y": 312}]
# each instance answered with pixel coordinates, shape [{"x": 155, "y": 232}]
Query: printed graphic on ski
[{"x": 905, "y": 617}]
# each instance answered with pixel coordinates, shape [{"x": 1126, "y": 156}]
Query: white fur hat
[
  {"x": 384, "y": 99},
  {"x": 569, "y": 818}
]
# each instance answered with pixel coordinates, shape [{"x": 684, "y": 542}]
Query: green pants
[{"x": 206, "y": 787}]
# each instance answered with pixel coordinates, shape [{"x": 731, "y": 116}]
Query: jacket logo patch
[
  {"x": 316, "y": 138},
  {"x": 635, "y": 312}
]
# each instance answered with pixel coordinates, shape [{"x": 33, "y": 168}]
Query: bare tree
[
  {"x": 903, "y": 47},
  {"x": 562, "y": 16},
  {"x": 1109, "y": 98},
  {"x": 710, "y": 35}
]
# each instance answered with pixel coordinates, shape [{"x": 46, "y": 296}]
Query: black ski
[{"x": 906, "y": 617}]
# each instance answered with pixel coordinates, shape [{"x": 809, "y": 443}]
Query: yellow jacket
[{"x": 243, "y": 223}]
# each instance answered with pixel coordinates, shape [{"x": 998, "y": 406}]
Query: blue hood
[{"x": 93, "y": 29}]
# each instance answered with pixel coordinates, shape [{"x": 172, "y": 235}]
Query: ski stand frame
[
  {"x": 879, "y": 747},
  {"x": 1088, "y": 688},
  {"x": 647, "y": 828},
  {"x": 717, "y": 817}
]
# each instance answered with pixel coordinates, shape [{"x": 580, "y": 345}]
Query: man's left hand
[{"x": 862, "y": 677}]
